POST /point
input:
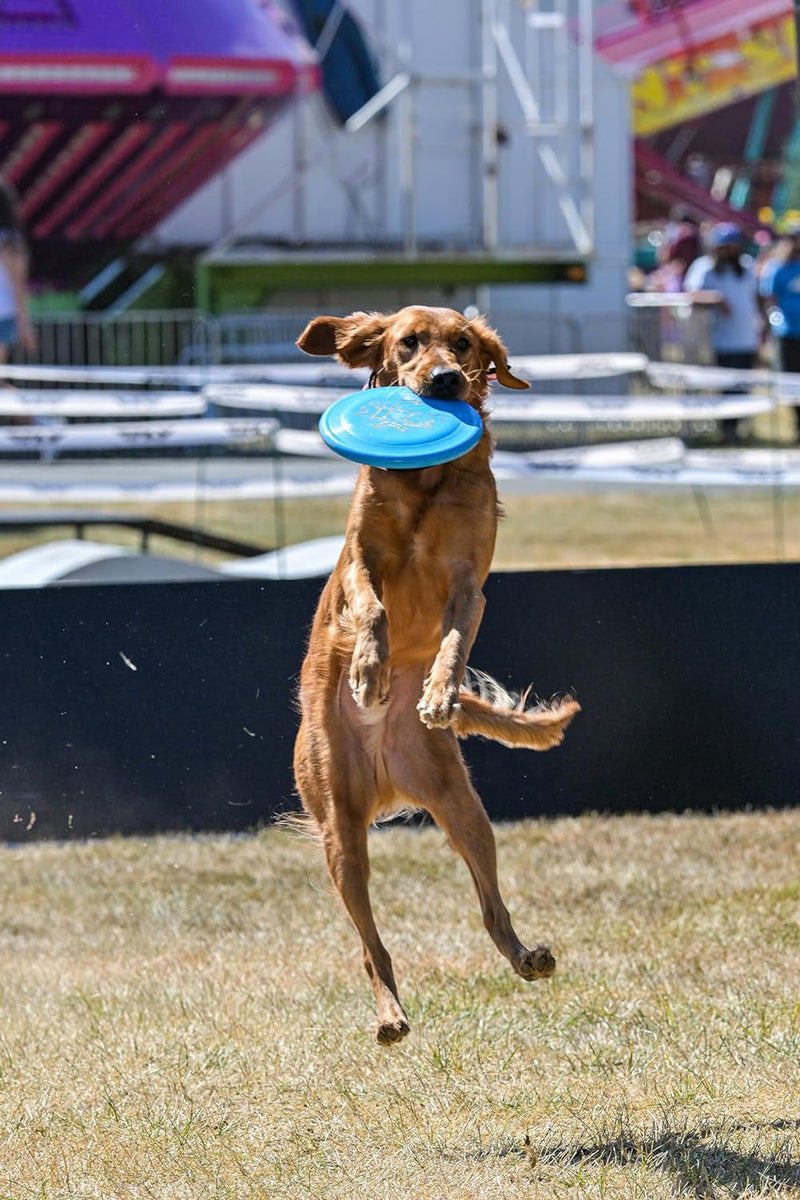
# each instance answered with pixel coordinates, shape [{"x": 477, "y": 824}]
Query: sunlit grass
[
  {"x": 550, "y": 529},
  {"x": 188, "y": 1017}
]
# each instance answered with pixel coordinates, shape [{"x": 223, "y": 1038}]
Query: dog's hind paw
[
  {"x": 536, "y": 964},
  {"x": 389, "y": 1032}
]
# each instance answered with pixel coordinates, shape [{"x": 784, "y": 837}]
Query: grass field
[
  {"x": 551, "y": 529},
  {"x": 187, "y": 1018}
]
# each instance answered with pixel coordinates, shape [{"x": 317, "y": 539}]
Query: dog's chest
[{"x": 432, "y": 532}]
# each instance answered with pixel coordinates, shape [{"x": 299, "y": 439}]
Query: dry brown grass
[{"x": 187, "y": 1018}]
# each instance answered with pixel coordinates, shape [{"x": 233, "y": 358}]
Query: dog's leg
[
  {"x": 369, "y": 665},
  {"x": 429, "y": 768},
  {"x": 348, "y": 862},
  {"x": 469, "y": 831},
  {"x": 460, "y": 623}
]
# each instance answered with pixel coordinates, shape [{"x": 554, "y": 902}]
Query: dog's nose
[{"x": 443, "y": 383}]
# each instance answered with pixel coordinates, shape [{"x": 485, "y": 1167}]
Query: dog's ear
[
  {"x": 356, "y": 339},
  {"x": 496, "y": 354}
]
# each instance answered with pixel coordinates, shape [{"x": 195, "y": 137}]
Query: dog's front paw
[
  {"x": 369, "y": 675},
  {"x": 438, "y": 704}
]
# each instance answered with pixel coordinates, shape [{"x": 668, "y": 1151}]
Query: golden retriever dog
[{"x": 382, "y": 693}]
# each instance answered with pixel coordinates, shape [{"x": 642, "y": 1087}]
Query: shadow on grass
[{"x": 700, "y": 1162}]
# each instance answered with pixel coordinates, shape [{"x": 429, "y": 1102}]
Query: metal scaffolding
[{"x": 521, "y": 102}]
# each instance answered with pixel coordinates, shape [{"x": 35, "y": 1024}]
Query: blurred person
[
  {"x": 766, "y": 247},
  {"x": 15, "y": 322},
  {"x": 779, "y": 286},
  {"x": 680, "y": 246},
  {"x": 682, "y": 243},
  {"x": 725, "y": 280}
]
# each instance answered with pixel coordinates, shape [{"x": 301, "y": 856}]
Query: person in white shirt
[
  {"x": 15, "y": 322},
  {"x": 726, "y": 280}
]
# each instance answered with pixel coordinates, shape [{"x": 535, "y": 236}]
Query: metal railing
[
  {"x": 669, "y": 328},
  {"x": 164, "y": 338},
  {"x": 664, "y": 327}
]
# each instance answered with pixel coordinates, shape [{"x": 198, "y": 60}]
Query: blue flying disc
[{"x": 393, "y": 427}]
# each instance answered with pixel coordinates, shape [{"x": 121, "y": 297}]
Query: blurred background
[
  {"x": 192, "y": 182},
  {"x": 184, "y": 185}
]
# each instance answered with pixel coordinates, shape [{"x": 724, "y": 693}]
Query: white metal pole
[
  {"x": 586, "y": 112},
  {"x": 489, "y": 148},
  {"x": 407, "y": 133}
]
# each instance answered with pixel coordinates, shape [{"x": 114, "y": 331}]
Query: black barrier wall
[{"x": 136, "y": 708}]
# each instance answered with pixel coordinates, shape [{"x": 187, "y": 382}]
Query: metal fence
[
  {"x": 669, "y": 328},
  {"x": 164, "y": 338},
  {"x": 662, "y": 327}
]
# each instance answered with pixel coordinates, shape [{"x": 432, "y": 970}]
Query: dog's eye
[
  {"x": 411, "y": 341},
  {"x": 462, "y": 344}
]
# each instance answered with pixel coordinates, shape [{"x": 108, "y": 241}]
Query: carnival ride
[
  {"x": 690, "y": 62},
  {"x": 111, "y": 115}
]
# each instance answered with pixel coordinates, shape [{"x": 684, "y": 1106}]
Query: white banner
[
  {"x": 324, "y": 373},
  {"x": 51, "y": 440},
  {"x": 652, "y": 452},
  {"x": 577, "y": 366},
  {"x": 268, "y": 487},
  {"x": 538, "y": 409},
  {"x": 781, "y": 386},
  {"x": 44, "y": 402},
  {"x": 758, "y": 458},
  {"x": 311, "y": 374},
  {"x": 655, "y": 463},
  {"x": 303, "y": 442},
  {"x": 689, "y": 375},
  {"x": 275, "y": 398},
  {"x": 626, "y": 410},
  {"x": 659, "y": 463}
]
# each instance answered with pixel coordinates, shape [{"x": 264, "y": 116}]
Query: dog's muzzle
[{"x": 443, "y": 383}]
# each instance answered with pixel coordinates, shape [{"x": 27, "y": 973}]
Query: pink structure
[
  {"x": 112, "y": 113},
  {"x": 636, "y": 34}
]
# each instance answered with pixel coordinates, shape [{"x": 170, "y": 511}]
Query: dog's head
[{"x": 437, "y": 352}]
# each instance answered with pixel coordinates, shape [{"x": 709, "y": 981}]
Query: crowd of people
[{"x": 751, "y": 285}]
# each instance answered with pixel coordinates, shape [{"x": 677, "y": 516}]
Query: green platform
[{"x": 247, "y": 282}]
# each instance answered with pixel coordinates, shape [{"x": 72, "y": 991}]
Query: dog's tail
[{"x": 487, "y": 710}]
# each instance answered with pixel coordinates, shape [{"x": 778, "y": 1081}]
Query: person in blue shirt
[
  {"x": 780, "y": 289},
  {"x": 725, "y": 280}
]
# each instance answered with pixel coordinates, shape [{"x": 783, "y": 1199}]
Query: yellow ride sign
[{"x": 713, "y": 75}]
